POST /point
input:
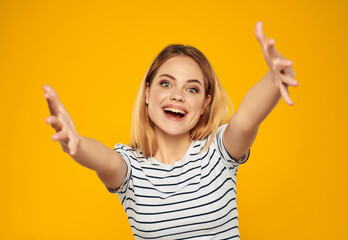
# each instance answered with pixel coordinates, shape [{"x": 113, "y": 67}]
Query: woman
[{"x": 177, "y": 179}]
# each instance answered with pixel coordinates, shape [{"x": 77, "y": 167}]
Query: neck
[{"x": 171, "y": 148}]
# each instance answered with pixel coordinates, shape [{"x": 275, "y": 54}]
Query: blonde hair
[{"x": 142, "y": 131}]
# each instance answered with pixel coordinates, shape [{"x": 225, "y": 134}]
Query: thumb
[{"x": 73, "y": 145}]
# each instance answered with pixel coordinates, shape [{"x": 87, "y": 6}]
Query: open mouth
[{"x": 174, "y": 113}]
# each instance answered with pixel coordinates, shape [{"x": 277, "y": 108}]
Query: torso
[{"x": 194, "y": 198}]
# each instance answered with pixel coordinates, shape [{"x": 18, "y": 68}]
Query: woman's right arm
[{"x": 90, "y": 153}]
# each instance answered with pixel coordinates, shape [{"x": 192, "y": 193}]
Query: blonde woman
[{"x": 177, "y": 177}]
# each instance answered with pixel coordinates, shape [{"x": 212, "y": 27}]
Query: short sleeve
[
  {"x": 124, "y": 152},
  {"x": 219, "y": 138}
]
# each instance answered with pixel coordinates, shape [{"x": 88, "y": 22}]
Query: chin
[{"x": 174, "y": 130}]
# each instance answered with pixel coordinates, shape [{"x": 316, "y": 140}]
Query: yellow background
[{"x": 95, "y": 53}]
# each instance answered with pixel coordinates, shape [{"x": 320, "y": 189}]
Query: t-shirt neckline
[{"x": 182, "y": 160}]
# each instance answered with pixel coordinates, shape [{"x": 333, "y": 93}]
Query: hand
[
  {"x": 280, "y": 67},
  {"x": 61, "y": 121}
]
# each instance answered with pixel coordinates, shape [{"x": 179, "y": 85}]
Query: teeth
[{"x": 174, "y": 110}]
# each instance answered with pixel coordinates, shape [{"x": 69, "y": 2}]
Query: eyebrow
[{"x": 171, "y": 77}]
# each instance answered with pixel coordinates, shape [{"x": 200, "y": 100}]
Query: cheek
[
  {"x": 197, "y": 104},
  {"x": 156, "y": 98}
]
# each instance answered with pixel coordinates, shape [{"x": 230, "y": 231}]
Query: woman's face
[{"x": 176, "y": 98}]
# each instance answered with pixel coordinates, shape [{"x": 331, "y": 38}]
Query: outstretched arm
[
  {"x": 260, "y": 99},
  {"x": 88, "y": 152}
]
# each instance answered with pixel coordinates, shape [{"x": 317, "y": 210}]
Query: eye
[
  {"x": 193, "y": 90},
  {"x": 165, "y": 84}
]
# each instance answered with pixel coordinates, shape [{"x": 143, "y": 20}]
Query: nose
[{"x": 177, "y": 96}]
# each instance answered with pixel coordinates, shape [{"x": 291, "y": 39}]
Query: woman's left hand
[{"x": 280, "y": 68}]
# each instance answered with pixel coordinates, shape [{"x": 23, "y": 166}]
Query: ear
[
  {"x": 147, "y": 93},
  {"x": 206, "y": 103}
]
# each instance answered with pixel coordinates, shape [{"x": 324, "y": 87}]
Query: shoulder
[
  {"x": 215, "y": 138},
  {"x": 219, "y": 144},
  {"x": 122, "y": 147},
  {"x": 129, "y": 154},
  {"x": 210, "y": 142}
]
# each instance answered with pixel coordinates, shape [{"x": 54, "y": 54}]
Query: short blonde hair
[{"x": 142, "y": 132}]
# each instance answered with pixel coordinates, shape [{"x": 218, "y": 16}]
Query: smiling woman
[
  {"x": 185, "y": 92},
  {"x": 177, "y": 178},
  {"x": 176, "y": 94},
  {"x": 182, "y": 77}
]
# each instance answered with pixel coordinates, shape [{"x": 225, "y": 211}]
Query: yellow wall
[{"x": 95, "y": 53}]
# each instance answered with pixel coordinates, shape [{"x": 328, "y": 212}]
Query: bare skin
[
  {"x": 260, "y": 99},
  {"x": 239, "y": 135},
  {"x": 178, "y": 84},
  {"x": 88, "y": 152}
]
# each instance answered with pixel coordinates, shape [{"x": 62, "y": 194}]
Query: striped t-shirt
[{"x": 194, "y": 198}]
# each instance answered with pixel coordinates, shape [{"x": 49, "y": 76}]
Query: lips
[{"x": 175, "y": 113}]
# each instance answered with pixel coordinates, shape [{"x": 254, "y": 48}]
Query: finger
[
  {"x": 285, "y": 94},
  {"x": 60, "y": 136},
  {"x": 290, "y": 71},
  {"x": 270, "y": 47},
  {"x": 280, "y": 65},
  {"x": 288, "y": 80},
  {"x": 54, "y": 122},
  {"x": 52, "y": 99},
  {"x": 259, "y": 34},
  {"x": 286, "y": 68},
  {"x": 73, "y": 147}
]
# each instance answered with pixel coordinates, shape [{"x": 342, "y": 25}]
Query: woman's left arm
[{"x": 260, "y": 99}]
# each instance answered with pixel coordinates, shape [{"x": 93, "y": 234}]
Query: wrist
[{"x": 270, "y": 76}]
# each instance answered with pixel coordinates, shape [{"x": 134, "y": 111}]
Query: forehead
[{"x": 182, "y": 68}]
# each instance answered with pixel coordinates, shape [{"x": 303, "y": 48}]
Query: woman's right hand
[{"x": 61, "y": 121}]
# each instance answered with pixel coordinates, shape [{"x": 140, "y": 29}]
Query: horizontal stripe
[
  {"x": 172, "y": 169},
  {"x": 169, "y": 176},
  {"x": 180, "y": 209},
  {"x": 195, "y": 198},
  {"x": 176, "y": 183},
  {"x": 181, "y": 218},
  {"x": 162, "y": 185},
  {"x": 184, "y": 201},
  {"x": 186, "y": 193},
  {"x": 192, "y": 224},
  {"x": 213, "y": 234},
  {"x": 179, "y": 233}
]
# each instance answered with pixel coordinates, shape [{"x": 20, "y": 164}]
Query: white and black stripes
[{"x": 195, "y": 198}]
